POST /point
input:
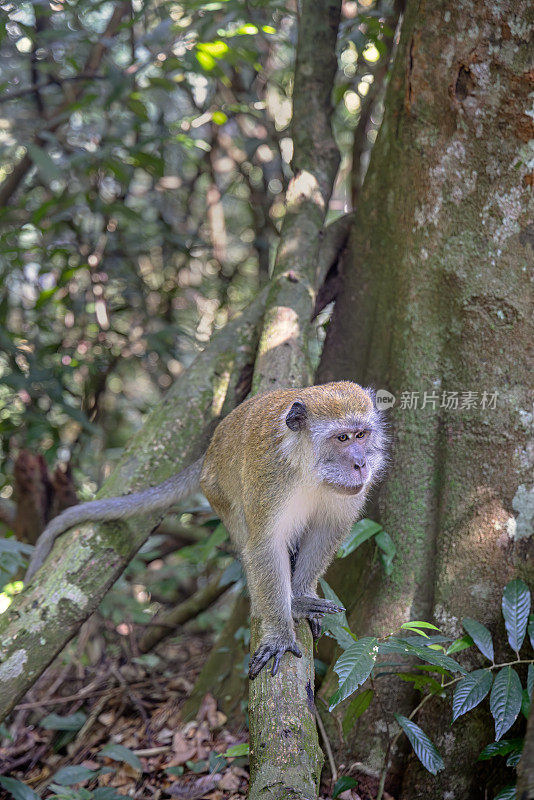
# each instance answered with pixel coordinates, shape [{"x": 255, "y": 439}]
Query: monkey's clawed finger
[
  {"x": 307, "y": 606},
  {"x": 268, "y": 651}
]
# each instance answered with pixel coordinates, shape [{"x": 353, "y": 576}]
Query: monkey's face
[
  {"x": 344, "y": 461},
  {"x": 349, "y": 452}
]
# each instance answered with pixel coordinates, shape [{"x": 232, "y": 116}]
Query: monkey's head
[{"x": 341, "y": 424}]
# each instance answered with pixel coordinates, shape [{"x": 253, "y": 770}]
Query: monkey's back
[{"x": 239, "y": 459}]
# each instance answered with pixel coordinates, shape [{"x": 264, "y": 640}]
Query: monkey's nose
[{"x": 359, "y": 463}]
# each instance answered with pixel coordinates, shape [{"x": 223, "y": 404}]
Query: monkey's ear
[
  {"x": 296, "y": 417},
  {"x": 371, "y": 391}
]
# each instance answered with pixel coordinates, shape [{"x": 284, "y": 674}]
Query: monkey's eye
[
  {"x": 360, "y": 434},
  {"x": 343, "y": 437}
]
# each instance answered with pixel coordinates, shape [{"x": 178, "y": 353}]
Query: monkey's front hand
[
  {"x": 272, "y": 646},
  {"x": 312, "y": 606}
]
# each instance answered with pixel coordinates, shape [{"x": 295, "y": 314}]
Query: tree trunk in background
[{"x": 436, "y": 299}]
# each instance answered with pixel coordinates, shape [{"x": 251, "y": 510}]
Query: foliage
[
  {"x": 13, "y": 556},
  {"x": 362, "y": 531},
  {"x": 158, "y": 150},
  {"x": 501, "y": 681}
]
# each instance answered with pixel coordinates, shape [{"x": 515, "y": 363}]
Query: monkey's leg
[
  {"x": 269, "y": 583},
  {"x": 317, "y": 548}
]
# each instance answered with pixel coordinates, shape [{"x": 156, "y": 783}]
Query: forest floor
[
  {"x": 103, "y": 723},
  {"x": 117, "y": 724}
]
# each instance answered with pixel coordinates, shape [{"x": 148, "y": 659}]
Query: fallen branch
[{"x": 164, "y": 623}]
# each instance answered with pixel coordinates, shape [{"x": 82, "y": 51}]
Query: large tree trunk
[{"x": 436, "y": 300}]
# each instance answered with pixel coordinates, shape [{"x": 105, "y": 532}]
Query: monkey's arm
[
  {"x": 156, "y": 498},
  {"x": 316, "y": 550},
  {"x": 266, "y": 563}
]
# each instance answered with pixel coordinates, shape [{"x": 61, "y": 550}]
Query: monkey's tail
[{"x": 157, "y": 498}]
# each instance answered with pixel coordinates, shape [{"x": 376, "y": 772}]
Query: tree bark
[
  {"x": 437, "y": 301},
  {"x": 285, "y": 756},
  {"x": 525, "y": 769},
  {"x": 87, "y": 560}
]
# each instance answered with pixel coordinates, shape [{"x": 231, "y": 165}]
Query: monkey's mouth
[{"x": 342, "y": 489}]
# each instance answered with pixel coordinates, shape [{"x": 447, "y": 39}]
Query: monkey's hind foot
[
  {"x": 309, "y": 606},
  {"x": 271, "y": 648}
]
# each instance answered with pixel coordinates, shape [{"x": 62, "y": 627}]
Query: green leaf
[
  {"x": 138, "y": 108},
  {"x": 216, "y": 49},
  {"x": 460, "y": 644},
  {"x": 354, "y": 667},
  {"x": 513, "y": 759},
  {"x": 531, "y": 629},
  {"x": 68, "y": 776},
  {"x": 501, "y": 748},
  {"x": 399, "y": 645},
  {"x": 45, "y": 296},
  {"x": 422, "y": 681},
  {"x": 106, "y": 793},
  {"x": 355, "y": 709},
  {"x": 72, "y": 722},
  {"x": 418, "y": 624},
  {"x": 525, "y": 703},
  {"x": 13, "y": 546},
  {"x": 219, "y": 117},
  {"x": 4, "y": 733},
  {"x": 342, "y": 784},
  {"x": 197, "y": 766},
  {"x": 17, "y": 789},
  {"x": 359, "y": 534},
  {"x": 508, "y": 793},
  {"x": 530, "y": 680},
  {"x": 387, "y": 550},
  {"x": 415, "y": 625},
  {"x": 118, "y": 752},
  {"x": 480, "y": 635},
  {"x": 335, "y": 624},
  {"x": 505, "y": 700},
  {"x": 516, "y": 610},
  {"x": 175, "y": 770},
  {"x": 424, "y": 749},
  {"x": 44, "y": 163},
  {"x": 237, "y": 750},
  {"x": 470, "y": 692}
]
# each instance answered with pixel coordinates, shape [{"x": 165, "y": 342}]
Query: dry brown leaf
[
  {"x": 191, "y": 790},
  {"x": 182, "y": 748},
  {"x": 242, "y": 773},
  {"x": 208, "y": 711},
  {"x": 180, "y": 684},
  {"x": 229, "y": 782}
]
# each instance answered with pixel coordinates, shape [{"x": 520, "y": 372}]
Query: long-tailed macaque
[{"x": 288, "y": 472}]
